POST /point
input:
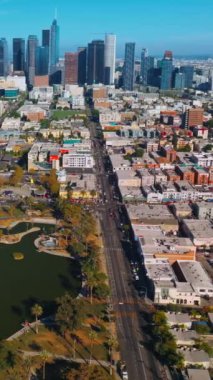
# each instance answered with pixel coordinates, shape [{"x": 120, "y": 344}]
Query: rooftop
[
  {"x": 148, "y": 213},
  {"x": 194, "y": 273},
  {"x": 198, "y": 374},
  {"x": 195, "y": 356},
  {"x": 159, "y": 270},
  {"x": 177, "y": 318},
  {"x": 199, "y": 230}
]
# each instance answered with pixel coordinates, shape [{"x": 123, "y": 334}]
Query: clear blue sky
[{"x": 184, "y": 26}]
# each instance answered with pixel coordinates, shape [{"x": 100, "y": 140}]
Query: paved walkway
[
  {"x": 16, "y": 238},
  {"x": 74, "y": 360}
]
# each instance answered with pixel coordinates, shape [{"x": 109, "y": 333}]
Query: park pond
[{"x": 38, "y": 278}]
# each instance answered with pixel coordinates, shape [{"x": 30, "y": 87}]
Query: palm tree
[
  {"x": 27, "y": 363},
  {"x": 112, "y": 345},
  {"x": 37, "y": 311},
  {"x": 93, "y": 337},
  {"x": 91, "y": 283},
  {"x": 44, "y": 357}
]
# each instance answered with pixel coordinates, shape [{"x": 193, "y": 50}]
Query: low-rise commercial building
[{"x": 200, "y": 233}]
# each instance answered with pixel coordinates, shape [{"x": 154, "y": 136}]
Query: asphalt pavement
[{"x": 140, "y": 361}]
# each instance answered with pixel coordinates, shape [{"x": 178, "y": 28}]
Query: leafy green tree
[
  {"x": 102, "y": 291},
  {"x": 37, "y": 311},
  {"x": 139, "y": 152},
  {"x": 186, "y": 149},
  {"x": 69, "y": 313},
  {"x": 17, "y": 176},
  {"x": 94, "y": 279},
  {"x": 202, "y": 329},
  {"x": 207, "y": 147}
]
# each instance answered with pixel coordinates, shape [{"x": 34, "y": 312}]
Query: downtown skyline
[{"x": 155, "y": 26}]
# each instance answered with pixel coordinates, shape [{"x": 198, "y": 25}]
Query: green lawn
[{"x": 65, "y": 114}]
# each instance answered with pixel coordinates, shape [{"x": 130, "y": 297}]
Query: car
[{"x": 124, "y": 373}]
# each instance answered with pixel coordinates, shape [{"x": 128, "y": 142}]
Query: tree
[
  {"x": 44, "y": 358},
  {"x": 93, "y": 193},
  {"x": 186, "y": 148},
  {"x": 93, "y": 337},
  {"x": 102, "y": 291},
  {"x": 94, "y": 279},
  {"x": 202, "y": 329},
  {"x": 208, "y": 147},
  {"x": 51, "y": 182},
  {"x": 69, "y": 313},
  {"x": 159, "y": 318},
  {"x": 37, "y": 311},
  {"x": 16, "y": 176},
  {"x": 139, "y": 152},
  {"x": 112, "y": 344}
]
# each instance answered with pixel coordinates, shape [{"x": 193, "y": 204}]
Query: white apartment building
[
  {"x": 11, "y": 123},
  {"x": 109, "y": 117},
  {"x": 44, "y": 93},
  {"x": 203, "y": 159},
  {"x": 76, "y": 160},
  {"x": 78, "y": 102}
]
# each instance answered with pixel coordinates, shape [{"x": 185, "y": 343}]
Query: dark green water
[{"x": 38, "y": 278}]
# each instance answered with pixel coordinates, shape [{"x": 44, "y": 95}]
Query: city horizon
[{"x": 94, "y": 20}]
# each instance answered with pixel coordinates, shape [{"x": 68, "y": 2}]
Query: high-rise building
[
  {"x": 45, "y": 37},
  {"x": 129, "y": 63},
  {"x": 188, "y": 71},
  {"x": 179, "y": 81},
  {"x": 147, "y": 66},
  {"x": 95, "y": 62},
  {"x": 32, "y": 44},
  {"x": 109, "y": 58},
  {"x": 71, "y": 68},
  {"x": 166, "y": 71},
  {"x": 18, "y": 54},
  {"x": 42, "y": 60},
  {"x": 54, "y": 45},
  {"x": 4, "y": 64},
  {"x": 82, "y": 65}
]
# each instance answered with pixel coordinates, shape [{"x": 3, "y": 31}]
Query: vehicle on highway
[{"x": 123, "y": 370}]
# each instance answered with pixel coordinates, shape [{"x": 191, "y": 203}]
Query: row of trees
[{"x": 164, "y": 342}]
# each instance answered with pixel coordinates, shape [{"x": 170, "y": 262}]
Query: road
[{"x": 141, "y": 363}]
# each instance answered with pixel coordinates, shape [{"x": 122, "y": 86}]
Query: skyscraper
[
  {"x": 147, "y": 66},
  {"x": 42, "y": 60},
  {"x": 18, "y": 54},
  {"x": 82, "y": 65},
  {"x": 109, "y": 59},
  {"x": 189, "y": 72},
  {"x": 179, "y": 81},
  {"x": 166, "y": 71},
  {"x": 54, "y": 45},
  {"x": 95, "y": 62},
  {"x": 71, "y": 68},
  {"x": 32, "y": 44},
  {"x": 3, "y": 57},
  {"x": 128, "y": 74},
  {"x": 45, "y": 37}
]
